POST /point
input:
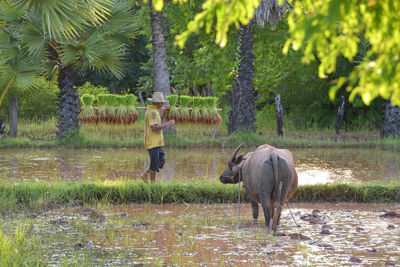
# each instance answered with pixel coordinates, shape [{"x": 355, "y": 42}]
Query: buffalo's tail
[{"x": 274, "y": 159}]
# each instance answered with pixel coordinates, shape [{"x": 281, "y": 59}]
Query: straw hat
[{"x": 158, "y": 97}]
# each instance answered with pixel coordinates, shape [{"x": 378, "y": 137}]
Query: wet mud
[{"x": 342, "y": 234}]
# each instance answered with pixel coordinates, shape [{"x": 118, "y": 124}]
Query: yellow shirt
[{"x": 152, "y": 138}]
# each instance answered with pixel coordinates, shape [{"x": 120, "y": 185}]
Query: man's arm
[
  {"x": 166, "y": 110},
  {"x": 157, "y": 127}
]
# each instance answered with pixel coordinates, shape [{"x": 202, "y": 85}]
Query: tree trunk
[
  {"x": 391, "y": 121},
  {"x": 2, "y": 127},
  {"x": 13, "y": 116},
  {"x": 339, "y": 118},
  {"x": 160, "y": 63},
  {"x": 279, "y": 115},
  {"x": 241, "y": 116},
  {"x": 69, "y": 105}
]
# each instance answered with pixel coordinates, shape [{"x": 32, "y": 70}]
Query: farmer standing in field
[{"x": 153, "y": 135}]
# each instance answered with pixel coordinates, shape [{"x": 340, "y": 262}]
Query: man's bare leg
[
  {"x": 152, "y": 176},
  {"x": 144, "y": 175}
]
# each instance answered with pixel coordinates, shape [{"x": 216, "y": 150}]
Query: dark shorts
[{"x": 157, "y": 158}]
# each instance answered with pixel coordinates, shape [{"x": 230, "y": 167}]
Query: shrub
[
  {"x": 41, "y": 102},
  {"x": 91, "y": 89}
]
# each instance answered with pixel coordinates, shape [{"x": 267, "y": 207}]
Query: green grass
[
  {"x": 36, "y": 134},
  {"x": 37, "y": 196},
  {"x": 19, "y": 248}
]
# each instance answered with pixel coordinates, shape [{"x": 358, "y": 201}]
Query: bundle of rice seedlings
[
  {"x": 132, "y": 114},
  {"x": 173, "y": 111},
  {"x": 87, "y": 114},
  {"x": 101, "y": 108},
  {"x": 195, "y": 114},
  {"x": 203, "y": 110},
  {"x": 110, "y": 109},
  {"x": 122, "y": 110},
  {"x": 208, "y": 109},
  {"x": 215, "y": 117},
  {"x": 184, "y": 111}
]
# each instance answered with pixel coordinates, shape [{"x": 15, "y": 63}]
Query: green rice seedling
[
  {"x": 122, "y": 109},
  {"x": 102, "y": 108},
  {"x": 215, "y": 117},
  {"x": 111, "y": 112},
  {"x": 87, "y": 114},
  {"x": 132, "y": 114},
  {"x": 173, "y": 111},
  {"x": 203, "y": 110},
  {"x": 195, "y": 114},
  {"x": 184, "y": 111}
]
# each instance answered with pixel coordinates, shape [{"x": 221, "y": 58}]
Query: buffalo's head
[{"x": 229, "y": 176}]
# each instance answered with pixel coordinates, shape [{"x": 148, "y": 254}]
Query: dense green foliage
[
  {"x": 329, "y": 29},
  {"x": 202, "y": 68},
  {"x": 43, "y": 195},
  {"x": 40, "y": 103},
  {"x": 91, "y": 89}
]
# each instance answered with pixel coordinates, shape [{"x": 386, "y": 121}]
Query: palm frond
[
  {"x": 71, "y": 52},
  {"x": 122, "y": 23},
  {"x": 10, "y": 12},
  {"x": 65, "y": 18},
  {"x": 33, "y": 39},
  {"x": 8, "y": 52},
  {"x": 109, "y": 59},
  {"x": 22, "y": 72}
]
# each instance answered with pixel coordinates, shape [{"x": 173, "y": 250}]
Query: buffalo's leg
[
  {"x": 266, "y": 204},
  {"x": 254, "y": 206}
]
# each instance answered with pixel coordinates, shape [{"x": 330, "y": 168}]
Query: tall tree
[
  {"x": 96, "y": 47},
  {"x": 160, "y": 62},
  {"x": 241, "y": 116}
]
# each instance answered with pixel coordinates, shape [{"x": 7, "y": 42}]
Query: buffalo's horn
[{"x": 235, "y": 152}]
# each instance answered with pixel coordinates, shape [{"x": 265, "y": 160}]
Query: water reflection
[{"x": 313, "y": 165}]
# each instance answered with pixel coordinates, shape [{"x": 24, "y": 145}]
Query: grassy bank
[
  {"x": 205, "y": 139},
  {"x": 46, "y": 195},
  {"x": 42, "y": 134}
]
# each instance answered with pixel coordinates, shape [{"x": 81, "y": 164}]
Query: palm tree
[
  {"x": 90, "y": 45},
  {"x": 241, "y": 116},
  {"x": 17, "y": 71},
  {"x": 160, "y": 62},
  {"x": 391, "y": 121}
]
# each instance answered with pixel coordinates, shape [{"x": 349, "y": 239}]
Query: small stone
[
  {"x": 390, "y": 264},
  {"x": 325, "y": 246},
  {"x": 325, "y": 232},
  {"x": 327, "y": 227},
  {"x": 295, "y": 236},
  {"x": 123, "y": 214},
  {"x": 355, "y": 260},
  {"x": 391, "y": 227},
  {"x": 141, "y": 224},
  {"x": 78, "y": 246},
  {"x": 373, "y": 250},
  {"x": 390, "y": 214},
  {"x": 359, "y": 229}
]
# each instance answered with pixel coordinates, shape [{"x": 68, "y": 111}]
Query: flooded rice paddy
[
  {"x": 317, "y": 165},
  {"x": 208, "y": 235}
]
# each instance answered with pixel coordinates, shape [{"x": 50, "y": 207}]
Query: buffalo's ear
[{"x": 238, "y": 159}]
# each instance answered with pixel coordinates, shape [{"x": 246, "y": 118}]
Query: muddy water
[
  {"x": 207, "y": 235},
  {"x": 193, "y": 164}
]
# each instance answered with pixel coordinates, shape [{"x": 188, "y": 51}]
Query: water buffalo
[{"x": 262, "y": 172}]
